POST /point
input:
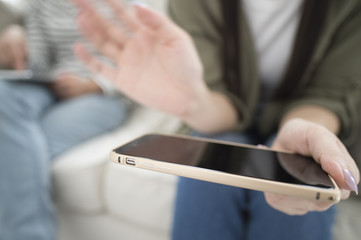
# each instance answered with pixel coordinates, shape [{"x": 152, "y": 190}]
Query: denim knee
[
  {"x": 8, "y": 100},
  {"x": 22, "y": 100}
]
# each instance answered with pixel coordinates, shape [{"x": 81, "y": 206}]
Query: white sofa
[
  {"x": 100, "y": 200},
  {"x": 97, "y": 199}
]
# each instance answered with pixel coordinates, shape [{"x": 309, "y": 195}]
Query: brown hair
[{"x": 312, "y": 19}]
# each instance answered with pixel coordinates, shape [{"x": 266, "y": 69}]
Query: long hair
[{"x": 311, "y": 24}]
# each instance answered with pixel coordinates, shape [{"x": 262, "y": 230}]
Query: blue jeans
[
  {"x": 207, "y": 211},
  {"x": 34, "y": 128}
]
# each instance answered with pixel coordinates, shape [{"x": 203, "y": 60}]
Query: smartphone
[
  {"x": 16, "y": 74},
  {"x": 238, "y": 165},
  {"x": 23, "y": 76}
]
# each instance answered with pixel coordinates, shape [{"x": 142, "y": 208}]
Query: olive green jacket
[{"x": 332, "y": 78}]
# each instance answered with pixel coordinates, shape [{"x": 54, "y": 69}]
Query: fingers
[
  {"x": 107, "y": 38},
  {"x": 120, "y": 10},
  {"x": 345, "y": 194},
  {"x": 124, "y": 15},
  {"x": 94, "y": 64},
  {"x": 294, "y": 206},
  {"x": 159, "y": 23},
  {"x": 328, "y": 150},
  {"x": 310, "y": 139},
  {"x": 102, "y": 32}
]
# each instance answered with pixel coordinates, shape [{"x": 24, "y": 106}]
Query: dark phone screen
[{"x": 233, "y": 159}]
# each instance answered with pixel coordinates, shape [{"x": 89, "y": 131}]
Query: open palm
[{"x": 155, "y": 61}]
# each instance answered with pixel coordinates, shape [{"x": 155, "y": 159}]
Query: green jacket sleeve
[
  {"x": 192, "y": 17},
  {"x": 335, "y": 82},
  {"x": 203, "y": 21}
]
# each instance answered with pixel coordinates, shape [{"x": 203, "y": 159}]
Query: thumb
[{"x": 310, "y": 139}]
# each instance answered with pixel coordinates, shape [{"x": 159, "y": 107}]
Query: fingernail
[{"x": 350, "y": 180}]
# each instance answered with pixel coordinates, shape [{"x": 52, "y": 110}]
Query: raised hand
[{"x": 155, "y": 61}]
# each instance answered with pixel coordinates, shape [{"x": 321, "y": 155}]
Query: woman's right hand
[
  {"x": 156, "y": 63},
  {"x": 13, "y": 50},
  {"x": 313, "y": 139}
]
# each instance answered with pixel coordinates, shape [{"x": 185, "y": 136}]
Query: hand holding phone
[
  {"x": 231, "y": 164},
  {"x": 310, "y": 139}
]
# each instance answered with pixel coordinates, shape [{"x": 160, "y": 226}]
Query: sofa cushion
[
  {"x": 141, "y": 197},
  {"x": 348, "y": 220},
  {"x": 78, "y": 174}
]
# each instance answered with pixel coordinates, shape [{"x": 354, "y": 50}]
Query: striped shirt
[{"x": 51, "y": 35}]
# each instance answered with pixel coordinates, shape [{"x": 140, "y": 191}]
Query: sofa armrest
[{"x": 78, "y": 173}]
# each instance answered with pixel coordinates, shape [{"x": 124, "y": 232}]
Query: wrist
[
  {"x": 316, "y": 114},
  {"x": 212, "y": 113}
]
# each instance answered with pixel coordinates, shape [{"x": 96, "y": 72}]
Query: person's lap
[
  {"x": 205, "y": 210},
  {"x": 71, "y": 122},
  {"x": 25, "y": 204},
  {"x": 34, "y": 128}
]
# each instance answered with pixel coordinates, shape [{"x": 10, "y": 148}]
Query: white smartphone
[
  {"x": 232, "y": 164},
  {"x": 23, "y": 76},
  {"x": 16, "y": 74}
]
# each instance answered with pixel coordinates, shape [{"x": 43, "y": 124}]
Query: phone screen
[{"x": 234, "y": 159}]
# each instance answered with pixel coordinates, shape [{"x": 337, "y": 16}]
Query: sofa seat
[
  {"x": 97, "y": 199},
  {"x": 348, "y": 221}
]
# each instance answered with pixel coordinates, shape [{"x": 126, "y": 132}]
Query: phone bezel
[{"x": 300, "y": 191}]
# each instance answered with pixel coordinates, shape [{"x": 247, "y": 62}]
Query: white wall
[{"x": 17, "y": 5}]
